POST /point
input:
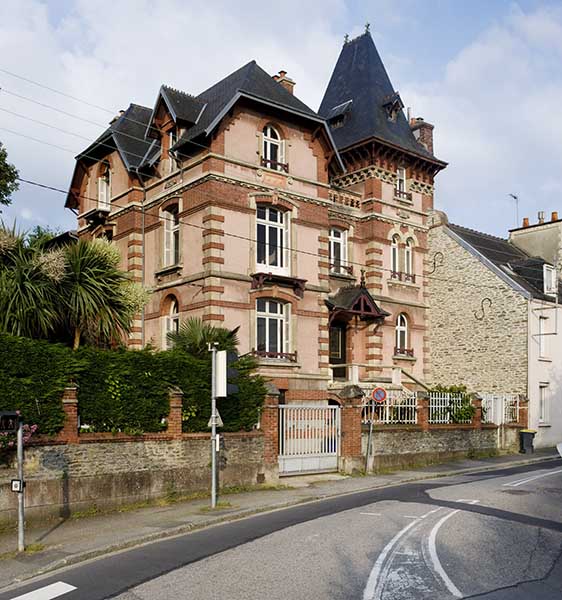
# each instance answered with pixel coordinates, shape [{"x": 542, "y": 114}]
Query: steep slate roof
[
  {"x": 126, "y": 135},
  {"x": 522, "y": 269},
  {"x": 184, "y": 107},
  {"x": 250, "y": 81},
  {"x": 359, "y": 75}
]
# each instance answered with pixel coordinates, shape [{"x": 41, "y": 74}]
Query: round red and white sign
[{"x": 378, "y": 394}]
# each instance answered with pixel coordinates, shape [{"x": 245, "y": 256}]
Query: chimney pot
[
  {"x": 541, "y": 216},
  {"x": 525, "y": 221},
  {"x": 423, "y": 132},
  {"x": 285, "y": 81},
  {"x": 554, "y": 216}
]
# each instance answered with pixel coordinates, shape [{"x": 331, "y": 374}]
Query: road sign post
[
  {"x": 11, "y": 422},
  {"x": 213, "y": 426}
]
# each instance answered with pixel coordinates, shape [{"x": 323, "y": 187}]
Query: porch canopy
[{"x": 354, "y": 301}]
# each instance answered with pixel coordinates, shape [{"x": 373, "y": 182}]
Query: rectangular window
[
  {"x": 400, "y": 180},
  {"x": 272, "y": 339},
  {"x": 338, "y": 251},
  {"x": 272, "y": 234},
  {"x": 104, "y": 191},
  {"x": 542, "y": 337},
  {"x": 171, "y": 237},
  {"x": 544, "y": 404},
  {"x": 550, "y": 280}
]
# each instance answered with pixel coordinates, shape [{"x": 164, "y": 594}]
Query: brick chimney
[
  {"x": 525, "y": 222},
  {"x": 423, "y": 132},
  {"x": 554, "y": 216},
  {"x": 285, "y": 81}
]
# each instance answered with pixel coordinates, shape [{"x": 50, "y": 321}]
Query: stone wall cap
[
  {"x": 272, "y": 389},
  {"x": 351, "y": 391}
]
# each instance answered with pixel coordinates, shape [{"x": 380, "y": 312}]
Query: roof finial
[
  {"x": 367, "y": 27},
  {"x": 362, "y": 283},
  {"x": 346, "y": 38}
]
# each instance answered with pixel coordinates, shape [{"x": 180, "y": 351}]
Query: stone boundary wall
[
  {"x": 400, "y": 447},
  {"x": 63, "y": 478}
]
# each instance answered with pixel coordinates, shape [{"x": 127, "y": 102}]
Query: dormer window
[
  {"x": 550, "y": 280},
  {"x": 273, "y": 151},
  {"x": 104, "y": 188},
  {"x": 393, "y": 105}
]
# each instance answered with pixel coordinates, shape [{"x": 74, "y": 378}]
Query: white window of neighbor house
[
  {"x": 104, "y": 188},
  {"x": 338, "y": 250},
  {"x": 171, "y": 236},
  {"x": 544, "y": 403},
  {"x": 272, "y": 235},
  {"x": 543, "y": 321},
  {"x": 172, "y": 322},
  {"x": 273, "y": 326},
  {"x": 550, "y": 280},
  {"x": 273, "y": 155}
]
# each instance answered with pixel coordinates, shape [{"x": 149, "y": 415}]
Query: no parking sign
[{"x": 378, "y": 395}]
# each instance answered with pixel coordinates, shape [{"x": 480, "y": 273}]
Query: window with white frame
[
  {"x": 338, "y": 250},
  {"x": 394, "y": 256},
  {"x": 544, "y": 403},
  {"x": 409, "y": 257},
  {"x": 272, "y": 234},
  {"x": 400, "y": 180},
  {"x": 402, "y": 336},
  {"x": 550, "y": 280},
  {"x": 273, "y": 151},
  {"x": 542, "y": 336},
  {"x": 172, "y": 322},
  {"x": 171, "y": 236},
  {"x": 104, "y": 188},
  {"x": 272, "y": 330}
]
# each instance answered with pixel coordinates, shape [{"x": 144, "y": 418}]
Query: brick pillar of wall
[
  {"x": 477, "y": 418},
  {"x": 69, "y": 432},
  {"x": 423, "y": 410},
  {"x": 269, "y": 423},
  {"x": 134, "y": 267},
  {"x": 175, "y": 414},
  {"x": 351, "y": 454}
]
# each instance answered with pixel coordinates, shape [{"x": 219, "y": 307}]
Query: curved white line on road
[
  {"x": 522, "y": 481},
  {"x": 371, "y": 587},
  {"x": 435, "y": 559}
]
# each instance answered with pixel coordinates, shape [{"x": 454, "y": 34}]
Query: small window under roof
[{"x": 340, "y": 110}]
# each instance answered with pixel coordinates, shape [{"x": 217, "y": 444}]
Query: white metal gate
[{"x": 309, "y": 438}]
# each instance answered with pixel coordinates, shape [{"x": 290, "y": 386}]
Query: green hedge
[{"x": 121, "y": 390}]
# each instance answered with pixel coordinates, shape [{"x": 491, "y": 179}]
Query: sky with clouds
[{"x": 486, "y": 73}]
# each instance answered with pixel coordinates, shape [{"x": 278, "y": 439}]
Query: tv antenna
[{"x": 516, "y": 198}]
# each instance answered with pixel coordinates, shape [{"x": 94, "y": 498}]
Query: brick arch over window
[
  {"x": 276, "y": 294},
  {"x": 273, "y": 199},
  {"x": 281, "y": 129},
  {"x": 166, "y": 300}
]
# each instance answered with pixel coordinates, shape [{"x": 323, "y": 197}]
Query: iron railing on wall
[{"x": 399, "y": 408}]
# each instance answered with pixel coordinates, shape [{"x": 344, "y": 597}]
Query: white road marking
[
  {"x": 411, "y": 517},
  {"x": 433, "y": 553},
  {"x": 370, "y": 588},
  {"x": 371, "y": 514},
  {"x": 522, "y": 481},
  {"x": 48, "y": 592}
]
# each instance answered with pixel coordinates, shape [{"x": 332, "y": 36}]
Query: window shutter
[
  {"x": 287, "y": 332},
  {"x": 283, "y": 152},
  {"x": 260, "y": 146},
  {"x": 167, "y": 239},
  {"x": 102, "y": 193}
]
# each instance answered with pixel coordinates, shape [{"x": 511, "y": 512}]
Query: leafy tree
[
  {"x": 8, "y": 177},
  {"x": 194, "y": 337},
  {"x": 39, "y": 235}
]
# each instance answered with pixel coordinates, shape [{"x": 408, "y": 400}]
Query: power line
[{"x": 253, "y": 240}]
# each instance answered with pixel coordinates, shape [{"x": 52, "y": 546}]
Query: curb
[{"x": 242, "y": 514}]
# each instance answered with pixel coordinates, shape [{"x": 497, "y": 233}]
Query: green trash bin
[{"x": 526, "y": 438}]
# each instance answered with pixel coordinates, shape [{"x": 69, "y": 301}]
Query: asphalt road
[{"x": 494, "y": 535}]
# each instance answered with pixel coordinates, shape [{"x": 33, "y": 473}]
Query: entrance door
[{"x": 338, "y": 346}]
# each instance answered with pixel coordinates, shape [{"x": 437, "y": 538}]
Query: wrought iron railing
[
  {"x": 273, "y": 164},
  {"x": 289, "y": 356},
  {"x": 404, "y": 352},
  {"x": 403, "y": 195}
]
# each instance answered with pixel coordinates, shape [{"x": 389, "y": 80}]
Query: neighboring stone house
[
  {"x": 246, "y": 208},
  {"x": 492, "y": 326}
]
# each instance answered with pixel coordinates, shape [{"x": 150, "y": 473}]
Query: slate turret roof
[{"x": 361, "y": 83}]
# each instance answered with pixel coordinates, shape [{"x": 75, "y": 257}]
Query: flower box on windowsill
[
  {"x": 169, "y": 270},
  {"x": 404, "y": 354}
]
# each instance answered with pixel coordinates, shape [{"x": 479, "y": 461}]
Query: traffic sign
[
  {"x": 9, "y": 421},
  {"x": 378, "y": 395}
]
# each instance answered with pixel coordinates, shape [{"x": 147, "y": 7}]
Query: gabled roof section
[
  {"x": 360, "y": 76},
  {"x": 354, "y": 300},
  {"x": 184, "y": 108},
  {"x": 250, "y": 81},
  {"x": 523, "y": 272},
  {"x": 126, "y": 135}
]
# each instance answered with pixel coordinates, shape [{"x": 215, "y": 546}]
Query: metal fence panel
[
  {"x": 399, "y": 408},
  {"x": 443, "y": 405}
]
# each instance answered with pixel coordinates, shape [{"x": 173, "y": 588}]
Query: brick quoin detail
[
  {"x": 69, "y": 432},
  {"x": 269, "y": 423}
]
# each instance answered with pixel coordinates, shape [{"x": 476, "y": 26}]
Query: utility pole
[
  {"x": 21, "y": 513},
  {"x": 213, "y": 349}
]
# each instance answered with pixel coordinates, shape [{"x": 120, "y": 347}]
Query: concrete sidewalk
[{"x": 66, "y": 542}]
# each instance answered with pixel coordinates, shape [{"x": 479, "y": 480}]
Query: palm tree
[
  {"x": 194, "y": 337},
  {"x": 97, "y": 298}
]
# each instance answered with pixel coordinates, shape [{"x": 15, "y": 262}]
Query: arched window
[
  {"x": 401, "y": 348},
  {"x": 172, "y": 321},
  {"x": 272, "y": 234},
  {"x": 409, "y": 260},
  {"x": 171, "y": 236},
  {"x": 273, "y": 152},
  {"x": 394, "y": 258},
  {"x": 104, "y": 188},
  {"x": 272, "y": 330},
  {"x": 338, "y": 251}
]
